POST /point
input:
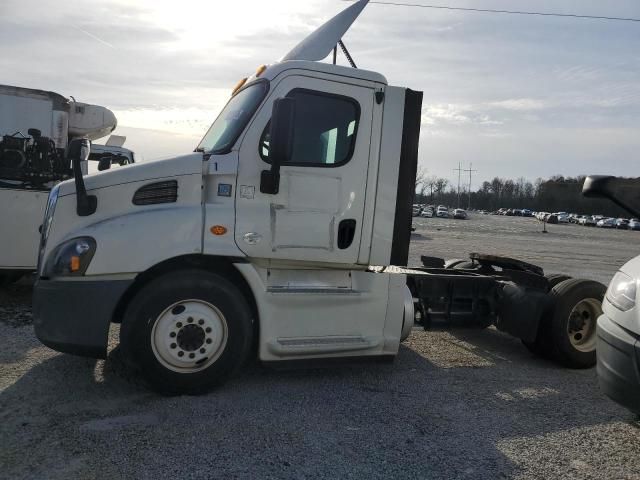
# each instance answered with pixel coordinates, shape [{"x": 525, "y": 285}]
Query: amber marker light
[
  {"x": 75, "y": 264},
  {"x": 260, "y": 70},
  {"x": 238, "y": 86},
  {"x": 218, "y": 230}
]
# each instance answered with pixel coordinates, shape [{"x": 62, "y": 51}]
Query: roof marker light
[{"x": 238, "y": 86}]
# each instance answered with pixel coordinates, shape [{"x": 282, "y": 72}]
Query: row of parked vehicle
[
  {"x": 440, "y": 211},
  {"x": 512, "y": 212},
  {"x": 589, "y": 220}
]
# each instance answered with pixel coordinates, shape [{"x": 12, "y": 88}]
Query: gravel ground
[{"x": 461, "y": 403}]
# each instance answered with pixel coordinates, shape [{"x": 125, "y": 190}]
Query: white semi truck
[
  {"x": 282, "y": 236},
  {"x": 35, "y": 129}
]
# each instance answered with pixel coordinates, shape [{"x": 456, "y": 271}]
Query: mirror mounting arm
[
  {"x": 86, "y": 204},
  {"x": 280, "y": 140}
]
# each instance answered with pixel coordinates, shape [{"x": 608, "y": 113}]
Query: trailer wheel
[
  {"x": 187, "y": 332},
  {"x": 572, "y": 324}
]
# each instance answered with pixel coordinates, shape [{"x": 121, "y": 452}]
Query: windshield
[{"x": 234, "y": 117}]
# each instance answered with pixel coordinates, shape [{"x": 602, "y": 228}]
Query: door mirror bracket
[
  {"x": 78, "y": 153},
  {"x": 280, "y": 142}
]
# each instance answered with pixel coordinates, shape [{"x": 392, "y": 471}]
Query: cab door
[{"x": 317, "y": 214}]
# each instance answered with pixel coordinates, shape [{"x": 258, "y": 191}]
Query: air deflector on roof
[{"x": 319, "y": 44}]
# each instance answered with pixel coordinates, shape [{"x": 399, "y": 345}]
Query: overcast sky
[{"x": 516, "y": 95}]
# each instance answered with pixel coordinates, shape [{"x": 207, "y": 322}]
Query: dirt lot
[{"x": 462, "y": 403}]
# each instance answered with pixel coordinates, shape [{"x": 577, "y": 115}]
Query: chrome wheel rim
[
  {"x": 189, "y": 335},
  {"x": 581, "y": 327}
]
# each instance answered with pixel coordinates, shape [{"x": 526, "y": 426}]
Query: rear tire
[
  {"x": 187, "y": 332},
  {"x": 560, "y": 337},
  {"x": 572, "y": 325}
]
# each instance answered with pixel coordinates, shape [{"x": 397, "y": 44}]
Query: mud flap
[{"x": 521, "y": 310}]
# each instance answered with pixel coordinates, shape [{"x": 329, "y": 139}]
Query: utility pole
[
  {"x": 459, "y": 170},
  {"x": 470, "y": 170}
]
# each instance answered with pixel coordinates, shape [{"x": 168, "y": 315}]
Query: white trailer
[{"x": 35, "y": 129}]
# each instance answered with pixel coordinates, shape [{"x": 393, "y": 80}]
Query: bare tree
[
  {"x": 440, "y": 185},
  {"x": 421, "y": 174}
]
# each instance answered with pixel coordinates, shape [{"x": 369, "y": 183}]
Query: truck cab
[{"x": 271, "y": 239}]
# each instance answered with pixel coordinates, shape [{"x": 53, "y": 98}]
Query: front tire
[{"x": 187, "y": 332}]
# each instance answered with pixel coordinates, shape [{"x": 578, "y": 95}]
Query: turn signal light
[
  {"x": 260, "y": 70},
  {"x": 218, "y": 230},
  {"x": 74, "y": 264}
]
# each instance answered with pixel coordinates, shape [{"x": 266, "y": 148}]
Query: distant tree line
[{"x": 555, "y": 194}]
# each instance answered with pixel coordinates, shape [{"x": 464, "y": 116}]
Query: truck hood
[{"x": 168, "y": 167}]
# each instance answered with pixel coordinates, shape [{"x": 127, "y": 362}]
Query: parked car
[
  {"x": 634, "y": 224},
  {"x": 606, "y": 223},
  {"x": 442, "y": 212},
  {"x": 551, "y": 218},
  {"x": 563, "y": 217},
  {"x": 460, "y": 214},
  {"x": 587, "y": 221},
  {"x": 622, "y": 223},
  {"x": 527, "y": 213},
  {"x": 427, "y": 213}
]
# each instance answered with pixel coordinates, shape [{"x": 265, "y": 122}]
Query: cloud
[
  {"x": 456, "y": 115},
  {"x": 516, "y": 94},
  {"x": 519, "y": 104}
]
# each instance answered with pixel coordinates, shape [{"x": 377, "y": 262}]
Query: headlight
[
  {"x": 71, "y": 258},
  {"x": 622, "y": 292}
]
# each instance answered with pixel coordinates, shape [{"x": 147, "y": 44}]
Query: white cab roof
[{"x": 274, "y": 70}]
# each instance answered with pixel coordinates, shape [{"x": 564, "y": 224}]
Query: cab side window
[{"x": 325, "y": 129}]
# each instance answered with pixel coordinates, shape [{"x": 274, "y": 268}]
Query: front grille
[{"x": 154, "y": 193}]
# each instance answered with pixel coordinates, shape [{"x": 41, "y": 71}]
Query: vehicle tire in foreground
[
  {"x": 571, "y": 326},
  {"x": 187, "y": 332}
]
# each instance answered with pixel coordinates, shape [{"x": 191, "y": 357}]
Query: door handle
[{"x": 346, "y": 232}]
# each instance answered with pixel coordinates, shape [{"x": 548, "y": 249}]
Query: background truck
[
  {"x": 35, "y": 128},
  {"x": 285, "y": 236}
]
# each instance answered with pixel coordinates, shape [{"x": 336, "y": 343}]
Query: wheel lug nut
[
  {"x": 202, "y": 350},
  {"x": 201, "y": 322},
  {"x": 172, "y": 334},
  {"x": 209, "y": 340},
  {"x": 192, "y": 355},
  {"x": 179, "y": 324},
  {"x": 208, "y": 330},
  {"x": 173, "y": 345},
  {"x": 190, "y": 320},
  {"x": 180, "y": 353}
]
